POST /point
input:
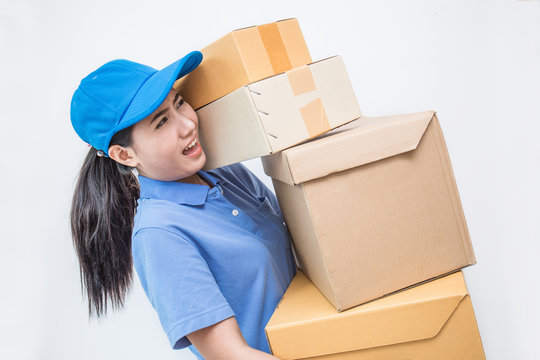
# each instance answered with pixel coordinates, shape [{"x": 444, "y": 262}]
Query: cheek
[
  {"x": 191, "y": 114},
  {"x": 163, "y": 148},
  {"x": 155, "y": 150}
]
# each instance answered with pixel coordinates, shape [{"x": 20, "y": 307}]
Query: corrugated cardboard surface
[
  {"x": 381, "y": 226},
  {"x": 432, "y": 321},
  {"x": 369, "y": 139},
  {"x": 277, "y": 112},
  {"x": 244, "y": 56}
]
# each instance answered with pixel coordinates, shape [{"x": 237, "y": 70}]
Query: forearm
[
  {"x": 244, "y": 352},
  {"x": 224, "y": 341},
  {"x": 249, "y": 353}
]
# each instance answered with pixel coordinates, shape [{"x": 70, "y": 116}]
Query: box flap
[
  {"x": 362, "y": 141},
  {"x": 306, "y": 325}
]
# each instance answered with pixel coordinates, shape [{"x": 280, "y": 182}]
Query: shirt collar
[{"x": 178, "y": 192}]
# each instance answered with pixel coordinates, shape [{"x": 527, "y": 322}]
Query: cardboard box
[
  {"x": 372, "y": 207},
  {"x": 431, "y": 321},
  {"x": 277, "y": 112},
  {"x": 242, "y": 57}
]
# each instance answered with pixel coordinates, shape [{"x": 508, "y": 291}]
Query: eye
[
  {"x": 163, "y": 121},
  {"x": 180, "y": 103}
]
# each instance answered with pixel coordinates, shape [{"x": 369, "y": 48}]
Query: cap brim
[{"x": 154, "y": 91}]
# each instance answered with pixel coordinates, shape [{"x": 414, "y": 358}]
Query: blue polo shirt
[{"x": 205, "y": 254}]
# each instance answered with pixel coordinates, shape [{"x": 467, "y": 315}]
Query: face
[{"x": 165, "y": 145}]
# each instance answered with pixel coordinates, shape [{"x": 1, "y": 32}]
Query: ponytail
[{"x": 102, "y": 213}]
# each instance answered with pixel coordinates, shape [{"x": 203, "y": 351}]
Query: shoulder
[
  {"x": 150, "y": 238},
  {"x": 161, "y": 217},
  {"x": 147, "y": 214}
]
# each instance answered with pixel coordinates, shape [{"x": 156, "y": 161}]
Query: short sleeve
[{"x": 178, "y": 283}]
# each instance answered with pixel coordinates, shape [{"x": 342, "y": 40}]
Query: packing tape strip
[
  {"x": 313, "y": 114},
  {"x": 301, "y": 80},
  {"x": 275, "y": 49},
  {"x": 314, "y": 117}
]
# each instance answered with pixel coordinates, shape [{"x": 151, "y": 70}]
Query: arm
[{"x": 224, "y": 341}]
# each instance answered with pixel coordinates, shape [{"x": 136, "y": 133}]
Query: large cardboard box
[
  {"x": 277, "y": 112},
  {"x": 372, "y": 207},
  {"x": 432, "y": 321},
  {"x": 242, "y": 57}
]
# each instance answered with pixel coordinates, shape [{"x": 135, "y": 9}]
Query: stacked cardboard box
[
  {"x": 257, "y": 92},
  {"x": 372, "y": 206},
  {"x": 432, "y": 321}
]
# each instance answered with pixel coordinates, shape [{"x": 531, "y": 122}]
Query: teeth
[{"x": 191, "y": 145}]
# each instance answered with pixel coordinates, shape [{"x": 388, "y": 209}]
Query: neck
[{"x": 194, "y": 179}]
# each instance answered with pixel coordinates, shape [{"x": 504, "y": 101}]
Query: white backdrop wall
[{"x": 475, "y": 62}]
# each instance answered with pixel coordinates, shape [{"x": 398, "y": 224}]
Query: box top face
[
  {"x": 417, "y": 313},
  {"x": 360, "y": 142},
  {"x": 278, "y": 21}
]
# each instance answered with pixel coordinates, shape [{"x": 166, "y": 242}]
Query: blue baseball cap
[{"x": 120, "y": 94}]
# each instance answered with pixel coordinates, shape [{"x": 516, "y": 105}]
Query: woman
[{"x": 210, "y": 248}]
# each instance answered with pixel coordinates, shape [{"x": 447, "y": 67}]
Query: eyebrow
[{"x": 164, "y": 110}]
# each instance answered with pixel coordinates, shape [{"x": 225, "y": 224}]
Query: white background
[{"x": 475, "y": 62}]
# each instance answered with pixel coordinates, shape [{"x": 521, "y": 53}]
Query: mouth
[{"x": 193, "y": 149}]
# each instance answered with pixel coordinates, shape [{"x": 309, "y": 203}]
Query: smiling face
[{"x": 165, "y": 145}]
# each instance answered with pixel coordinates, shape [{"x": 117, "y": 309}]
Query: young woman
[{"x": 211, "y": 249}]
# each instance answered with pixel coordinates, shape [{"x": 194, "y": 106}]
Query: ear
[{"x": 123, "y": 155}]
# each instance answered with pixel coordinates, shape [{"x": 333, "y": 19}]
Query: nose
[{"x": 185, "y": 126}]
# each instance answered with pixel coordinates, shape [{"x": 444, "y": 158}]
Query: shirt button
[
  {"x": 235, "y": 212},
  {"x": 284, "y": 224}
]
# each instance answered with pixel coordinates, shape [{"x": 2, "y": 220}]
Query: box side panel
[
  {"x": 452, "y": 187},
  {"x": 304, "y": 238},
  {"x": 459, "y": 339},
  {"x": 337, "y": 92},
  {"x": 389, "y": 224},
  {"x": 283, "y": 125},
  {"x": 305, "y": 324},
  {"x": 284, "y": 114},
  {"x": 230, "y": 130},
  {"x": 294, "y": 42},
  {"x": 221, "y": 72},
  {"x": 364, "y": 330}
]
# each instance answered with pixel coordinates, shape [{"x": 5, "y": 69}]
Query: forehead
[{"x": 164, "y": 105}]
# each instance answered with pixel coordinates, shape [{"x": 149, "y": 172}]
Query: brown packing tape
[
  {"x": 301, "y": 80},
  {"x": 313, "y": 113},
  {"x": 315, "y": 118},
  {"x": 273, "y": 43}
]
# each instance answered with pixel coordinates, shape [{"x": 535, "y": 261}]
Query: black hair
[{"x": 102, "y": 212}]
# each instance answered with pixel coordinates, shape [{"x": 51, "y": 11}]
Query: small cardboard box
[
  {"x": 431, "y": 321},
  {"x": 372, "y": 207},
  {"x": 277, "y": 112},
  {"x": 242, "y": 57}
]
